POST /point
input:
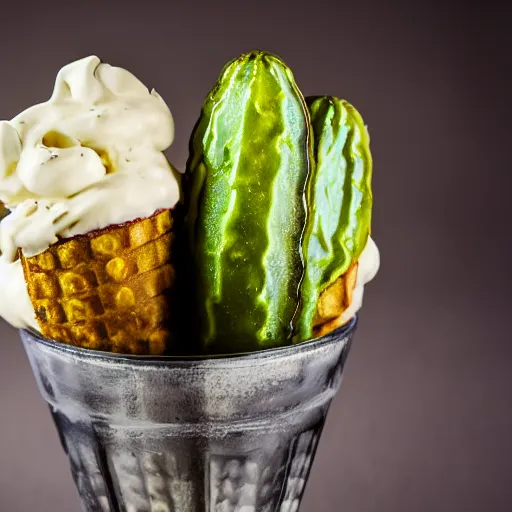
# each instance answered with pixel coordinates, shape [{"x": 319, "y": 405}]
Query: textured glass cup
[{"x": 163, "y": 434}]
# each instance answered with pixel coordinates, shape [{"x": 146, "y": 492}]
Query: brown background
[{"x": 423, "y": 421}]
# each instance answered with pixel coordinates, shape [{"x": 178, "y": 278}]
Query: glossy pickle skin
[
  {"x": 250, "y": 158},
  {"x": 339, "y": 199}
]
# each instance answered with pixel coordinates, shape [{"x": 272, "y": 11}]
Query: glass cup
[{"x": 165, "y": 434}]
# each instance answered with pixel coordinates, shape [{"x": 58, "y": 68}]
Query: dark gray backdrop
[{"x": 423, "y": 421}]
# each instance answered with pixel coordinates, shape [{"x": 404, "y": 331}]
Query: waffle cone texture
[
  {"x": 333, "y": 301},
  {"x": 109, "y": 289}
]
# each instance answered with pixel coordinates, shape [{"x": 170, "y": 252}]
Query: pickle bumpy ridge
[
  {"x": 250, "y": 156},
  {"x": 339, "y": 199}
]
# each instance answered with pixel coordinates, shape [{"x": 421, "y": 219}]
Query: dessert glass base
[{"x": 164, "y": 434}]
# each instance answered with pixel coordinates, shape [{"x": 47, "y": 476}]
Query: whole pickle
[
  {"x": 339, "y": 199},
  {"x": 250, "y": 156}
]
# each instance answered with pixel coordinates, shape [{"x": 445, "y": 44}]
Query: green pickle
[
  {"x": 339, "y": 199},
  {"x": 250, "y": 158}
]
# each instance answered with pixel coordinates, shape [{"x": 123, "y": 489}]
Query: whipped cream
[{"x": 89, "y": 157}]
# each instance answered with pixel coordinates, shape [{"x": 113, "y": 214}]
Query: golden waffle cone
[
  {"x": 333, "y": 301},
  {"x": 107, "y": 290},
  {"x": 3, "y": 211}
]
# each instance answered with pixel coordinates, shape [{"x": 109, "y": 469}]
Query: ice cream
[
  {"x": 88, "y": 158},
  {"x": 277, "y": 218},
  {"x": 269, "y": 246}
]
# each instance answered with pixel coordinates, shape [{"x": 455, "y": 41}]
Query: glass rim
[{"x": 282, "y": 351}]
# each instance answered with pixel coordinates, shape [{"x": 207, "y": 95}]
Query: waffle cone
[
  {"x": 3, "y": 210},
  {"x": 333, "y": 301},
  {"x": 107, "y": 290}
]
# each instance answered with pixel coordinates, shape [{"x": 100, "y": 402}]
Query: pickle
[
  {"x": 250, "y": 157},
  {"x": 339, "y": 199}
]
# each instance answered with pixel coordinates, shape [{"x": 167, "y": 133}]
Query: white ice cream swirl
[{"x": 89, "y": 157}]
